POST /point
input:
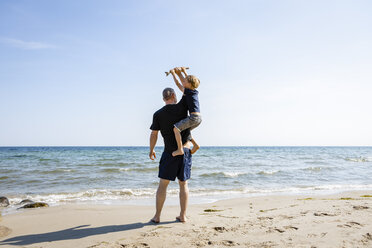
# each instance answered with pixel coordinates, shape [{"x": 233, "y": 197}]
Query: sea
[{"x": 126, "y": 175}]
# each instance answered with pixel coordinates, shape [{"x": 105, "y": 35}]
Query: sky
[{"x": 272, "y": 72}]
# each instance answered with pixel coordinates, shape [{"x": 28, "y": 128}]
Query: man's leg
[
  {"x": 184, "y": 198},
  {"x": 161, "y": 194}
]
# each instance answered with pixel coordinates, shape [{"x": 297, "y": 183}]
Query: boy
[{"x": 188, "y": 86}]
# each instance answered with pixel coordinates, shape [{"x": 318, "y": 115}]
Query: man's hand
[{"x": 152, "y": 155}]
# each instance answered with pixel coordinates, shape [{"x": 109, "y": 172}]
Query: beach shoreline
[{"x": 336, "y": 220}]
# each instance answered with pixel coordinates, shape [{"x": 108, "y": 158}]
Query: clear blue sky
[{"x": 272, "y": 72}]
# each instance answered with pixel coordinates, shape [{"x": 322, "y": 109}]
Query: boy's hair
[
  {"x": 194, "y": 81},
  {"x": 168, "y": 93}
]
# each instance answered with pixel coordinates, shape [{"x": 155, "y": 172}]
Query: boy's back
[{"x": 192, "y": 100}]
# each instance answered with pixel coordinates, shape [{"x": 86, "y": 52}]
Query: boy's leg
[
  {"x": 161, "y": 194},
  {"x": 190, "y": 122},
  {"x": 179, "y": 150},
  {"x": 195, "y": 146}
]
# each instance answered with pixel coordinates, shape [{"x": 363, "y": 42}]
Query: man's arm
[
  {"x": 180, "y": 86},
  {"x": 153, "y": 139}
]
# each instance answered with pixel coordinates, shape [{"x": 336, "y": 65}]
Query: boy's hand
[
  {"x": 178, "y": 70},
  {"x": 172, "y": 71}
]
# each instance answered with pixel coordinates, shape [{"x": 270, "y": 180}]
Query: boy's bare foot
[
  {"x": 194, "y": 148},
  {"x": 177, "y": 153},
  {"x": 181, "y": 219}
]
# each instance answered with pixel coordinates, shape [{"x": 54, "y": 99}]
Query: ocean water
[{"x": 110, "y": 175}]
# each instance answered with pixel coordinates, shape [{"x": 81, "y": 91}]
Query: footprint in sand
[
  {"x": 279, "y": 230},
  {"x": 135, "y": 245},
  {"x": 219, "y": 228},
  {"x": 368, "y": 236},
  {"x": 324, "y": 214},
  {"x": 228, "y": 243},
  {"x": 275, "y": 229},
  {"x": 291, "y": 227},
  {"x": 265, "y": 218},
  {"x": 286, "y": 217},
  {"x": 350, "y": 224},
  {"x": 360, "y": 207},
  {"x": 4, "y": 231},
  {"x": 230, "y": 217}
]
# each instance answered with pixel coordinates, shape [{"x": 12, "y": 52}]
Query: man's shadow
[{"x": 74, "y": 233}]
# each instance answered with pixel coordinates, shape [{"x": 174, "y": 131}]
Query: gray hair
[{"x": 168, "y": 93}]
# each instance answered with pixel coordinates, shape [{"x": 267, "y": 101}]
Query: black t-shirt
[{"x": 165, "y": 118}]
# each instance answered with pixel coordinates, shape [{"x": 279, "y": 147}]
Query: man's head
[
  {"x": 193, "y": 82},
  {"x": 169, "y": 96}
]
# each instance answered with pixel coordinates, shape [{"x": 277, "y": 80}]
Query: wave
[
  {"x": 237, "y": 174},
  {"x": 7, "y": 170},
  {"x": 19, "y": 156},
  {"x": 223, "y": 174},
  {"x": 317, "y": 162},
  {"x": 119, "y": 164},
  {"x": 359, "y": 159},
  {"x": 251, "y": 191},
  {"x": 110, "y": 196},
  {"x": 317, "y": 168},
  {"x": 96, "y": 195},
  {"x": 56, "y": 171},
  {"x": 48, "y": 159},
  {"x": 270, "y": 172},
  {"x": 108, "y": 159},
  {"x": 116, "y": 170}
]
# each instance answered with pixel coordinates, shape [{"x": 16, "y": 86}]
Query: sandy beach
[{"x": 340, "y": 220}]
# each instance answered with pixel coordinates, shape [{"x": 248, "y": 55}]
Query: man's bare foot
[
  {"x": 177, "y": 153},
  {"x": 194, "y": 148},
  {"x": 181, "y": 219},
  {"x": 155, "y": 220}
]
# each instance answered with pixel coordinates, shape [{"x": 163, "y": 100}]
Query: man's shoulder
[{"x": 161, "y": 110}]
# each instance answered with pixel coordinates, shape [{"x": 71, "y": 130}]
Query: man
[{"x": 171, "y": 167}]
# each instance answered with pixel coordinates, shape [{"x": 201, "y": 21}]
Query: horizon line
[{"x": 201, "y": 146}]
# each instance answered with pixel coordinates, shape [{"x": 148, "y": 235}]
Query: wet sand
[{"x": 339, "y": 220}]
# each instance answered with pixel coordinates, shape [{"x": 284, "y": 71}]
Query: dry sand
[{"x": 342, "y": 220}]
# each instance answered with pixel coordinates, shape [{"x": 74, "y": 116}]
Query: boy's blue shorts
[{"x": 179, "y": 166}]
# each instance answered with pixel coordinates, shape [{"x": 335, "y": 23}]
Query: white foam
[
  {"x": 269, "y": 172},
  {"x": 359, "y": 159}
]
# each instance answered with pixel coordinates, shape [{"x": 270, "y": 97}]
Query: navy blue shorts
[{"x": 179, "y": 166}]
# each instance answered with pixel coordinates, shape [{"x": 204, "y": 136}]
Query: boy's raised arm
[
  {"x": 179, "y": 71},
  {"x": 183, "y": 69},
  {"x": 180, "y": 86}
]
